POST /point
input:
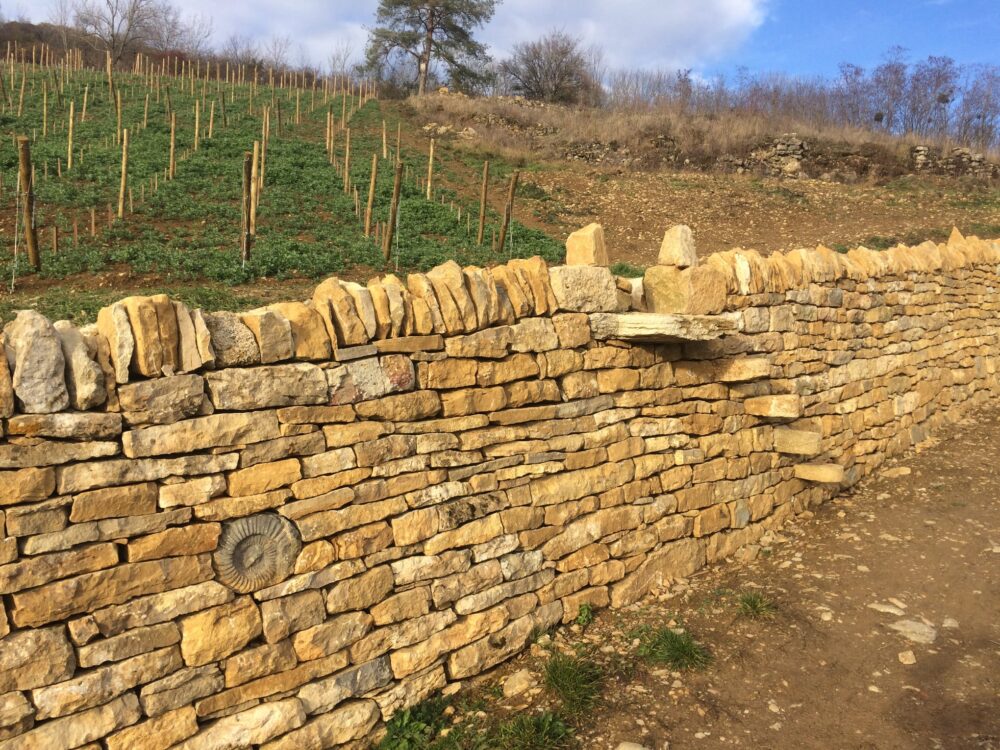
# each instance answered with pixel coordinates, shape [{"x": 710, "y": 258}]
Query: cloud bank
[{"x": 632, "y": 33}]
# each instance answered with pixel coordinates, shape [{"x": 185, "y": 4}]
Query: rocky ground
[{"x": 882, "y": 634}]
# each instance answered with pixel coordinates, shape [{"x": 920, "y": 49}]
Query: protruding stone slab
[
  {"x": 34, "y": 354},
  {"x": 112, "y": 324},
  {"x": 638, "y": 326},
  {"x": 273, "y": 334},
  {"x": 585, "y": 247},
  {"x": 84, "y": 377},
  {"x": 677, "y": 248},
  {"x": 774, "y": 407},
  {"x": 820, "y": 473},
  {"x": 584, "y": 289},
  {"x": 73, "y": 425},
  {"x": 797, "y": 442},
  {"x": 6, "y": 385}
]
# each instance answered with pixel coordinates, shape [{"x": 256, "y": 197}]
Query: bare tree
[
  {"x": 554, "y": 68},
  {"x": 172, "y": 32},
  {"x": 60, "y": 16},
  {"x": 117, "y": 25},
  {"x": 341, "y": 58},
  {"x": 277, "y": 50},
  {"x": 241, "y": 50}
]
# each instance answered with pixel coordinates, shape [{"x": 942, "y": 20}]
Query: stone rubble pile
[{"x": 277, "y": 529}]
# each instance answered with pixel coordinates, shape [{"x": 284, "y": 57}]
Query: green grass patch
[
  {"x": 575, "y": 679},
  {"x": 627, "y": 270},
  {"x": 584, "y": 615},
  {"x": 664, "y": 645},
  {"x": 545, "y": 731},
  {"x": 756, "y": 605}
]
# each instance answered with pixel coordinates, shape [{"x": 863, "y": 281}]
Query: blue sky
[{"x": 799, "y": 37}]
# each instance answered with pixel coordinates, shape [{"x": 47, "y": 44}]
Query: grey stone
[{"x": 34, "y": 353}]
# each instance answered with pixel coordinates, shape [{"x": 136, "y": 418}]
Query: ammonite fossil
[{"x": 256, "y": 552}]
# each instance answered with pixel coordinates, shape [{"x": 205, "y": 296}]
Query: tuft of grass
[
  {"x": 585, "y": 615},
  {"x": 677, "y": 650},
  {"x": 627, "y": 270},
  {"x": 575, "y": 679},
  {"x": 546, "y": 731},
  {"x": 416, "y": 727},
  {"x": 756, "y": 606}
]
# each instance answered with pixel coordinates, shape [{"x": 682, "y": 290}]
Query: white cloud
[{"x": 633, "y": 33}]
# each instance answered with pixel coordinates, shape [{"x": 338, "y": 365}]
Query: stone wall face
[{"x": 280, "y": 528}]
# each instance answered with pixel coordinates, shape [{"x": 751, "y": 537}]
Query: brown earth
[{"x": 921, "y": 542}]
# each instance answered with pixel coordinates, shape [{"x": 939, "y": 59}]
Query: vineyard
[{"x": 182, "y": 234}]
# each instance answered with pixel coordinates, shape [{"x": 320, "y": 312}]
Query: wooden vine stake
[
  {"x": 508, "y": 209},
  {"x": 385, "y": 142},
  {"x": 124, "y": 182},
  {"x": 69, "y": 139},
  {"x": 254, "y": 188},
  {"x": 28, "y": 201},
  {"x": 197, "y": 122},
  {"x": 483, "y": 193},
  {"x": 371, "y": 197},
  {"x": 245, "y": 236},
  {"x": 347, "y": 163},
  {"x": 430, "y": 172},
  {"x": 390, "y": 229},
  {"x": 172, "y": 168}
]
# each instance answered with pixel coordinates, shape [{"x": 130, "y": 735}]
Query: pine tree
[{"x": 430, "y": 30}]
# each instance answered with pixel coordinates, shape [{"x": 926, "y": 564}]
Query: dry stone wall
[{"x": 277, "y": 529}]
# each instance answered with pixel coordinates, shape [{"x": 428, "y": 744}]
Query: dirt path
[{"x": 918, "y": 545}]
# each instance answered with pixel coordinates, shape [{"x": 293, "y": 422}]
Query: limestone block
[
  {"x": 113, "y": 325},
  {"x": 289, "y": 614},
  {"x": 483, "y": 291},
  {"x": 512, "y": 290},
  {"x": 309, "y": 338},
  {"x": 79, "y": 729},
  {"x": 660, "y": 327},
  {"x": 160, "y": 733},
  {"x": 585, "y": 247},
  {"x": 6, "y": 384},
  {"x": 35, "y": 356},
  {"x": 323, "y": 695},
  {"x": 820, "y": 473},
  {"x": 100, "y": 685},
  {"x": 91, "y": 591},
  {"x": 331, "y": 636},
  {"x": 180, "y": 689},
  {"x": 533, "y": 274},
  {"x": 84, "y": 377},
  {"x": 51, "y": 453},
  {"x": 352, "y": 721},
  {"x": 797, "y": 442},
  {"x": 244, "y": 389},
  {"x": 71, "y": 425},
  {"x": 584, "y": 289},
  {"x": 674, "y": 560},
  {"x": 449, "y": 282},
  {"x": 215, "y": 633},
  {"x": 677, "y": 248},
  {"x": 169, "y": 333},
  {"x": 774, "y": 407},
  {"x": 162, "y": 401},
  {"x": 249, "y": 728},
  {"x": 273, "y": 334},
  {"x": 187, "y": 540},
  {"x": 188, "y": 356},
  {"x": 203, "y": 337},
  {"x": 203, "y": 432},
  {"x": 35, "y": 658},
  {"x": 148, "y": 357},
  {"x": 401, "y": 311},
  {"x": 131, "y": 500},
  {"x": 364, "y": 305},
  {"x": 26, "y": 485},
  {"x": 233, "y": 344},
  {"x": 694, "y": 291},
  {"x": 336, "y": 306}
]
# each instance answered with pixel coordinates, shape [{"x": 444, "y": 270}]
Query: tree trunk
[{"x": 425, "y": 57}]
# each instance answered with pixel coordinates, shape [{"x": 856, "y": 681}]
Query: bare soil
[{"x": 921, "y": 542}]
